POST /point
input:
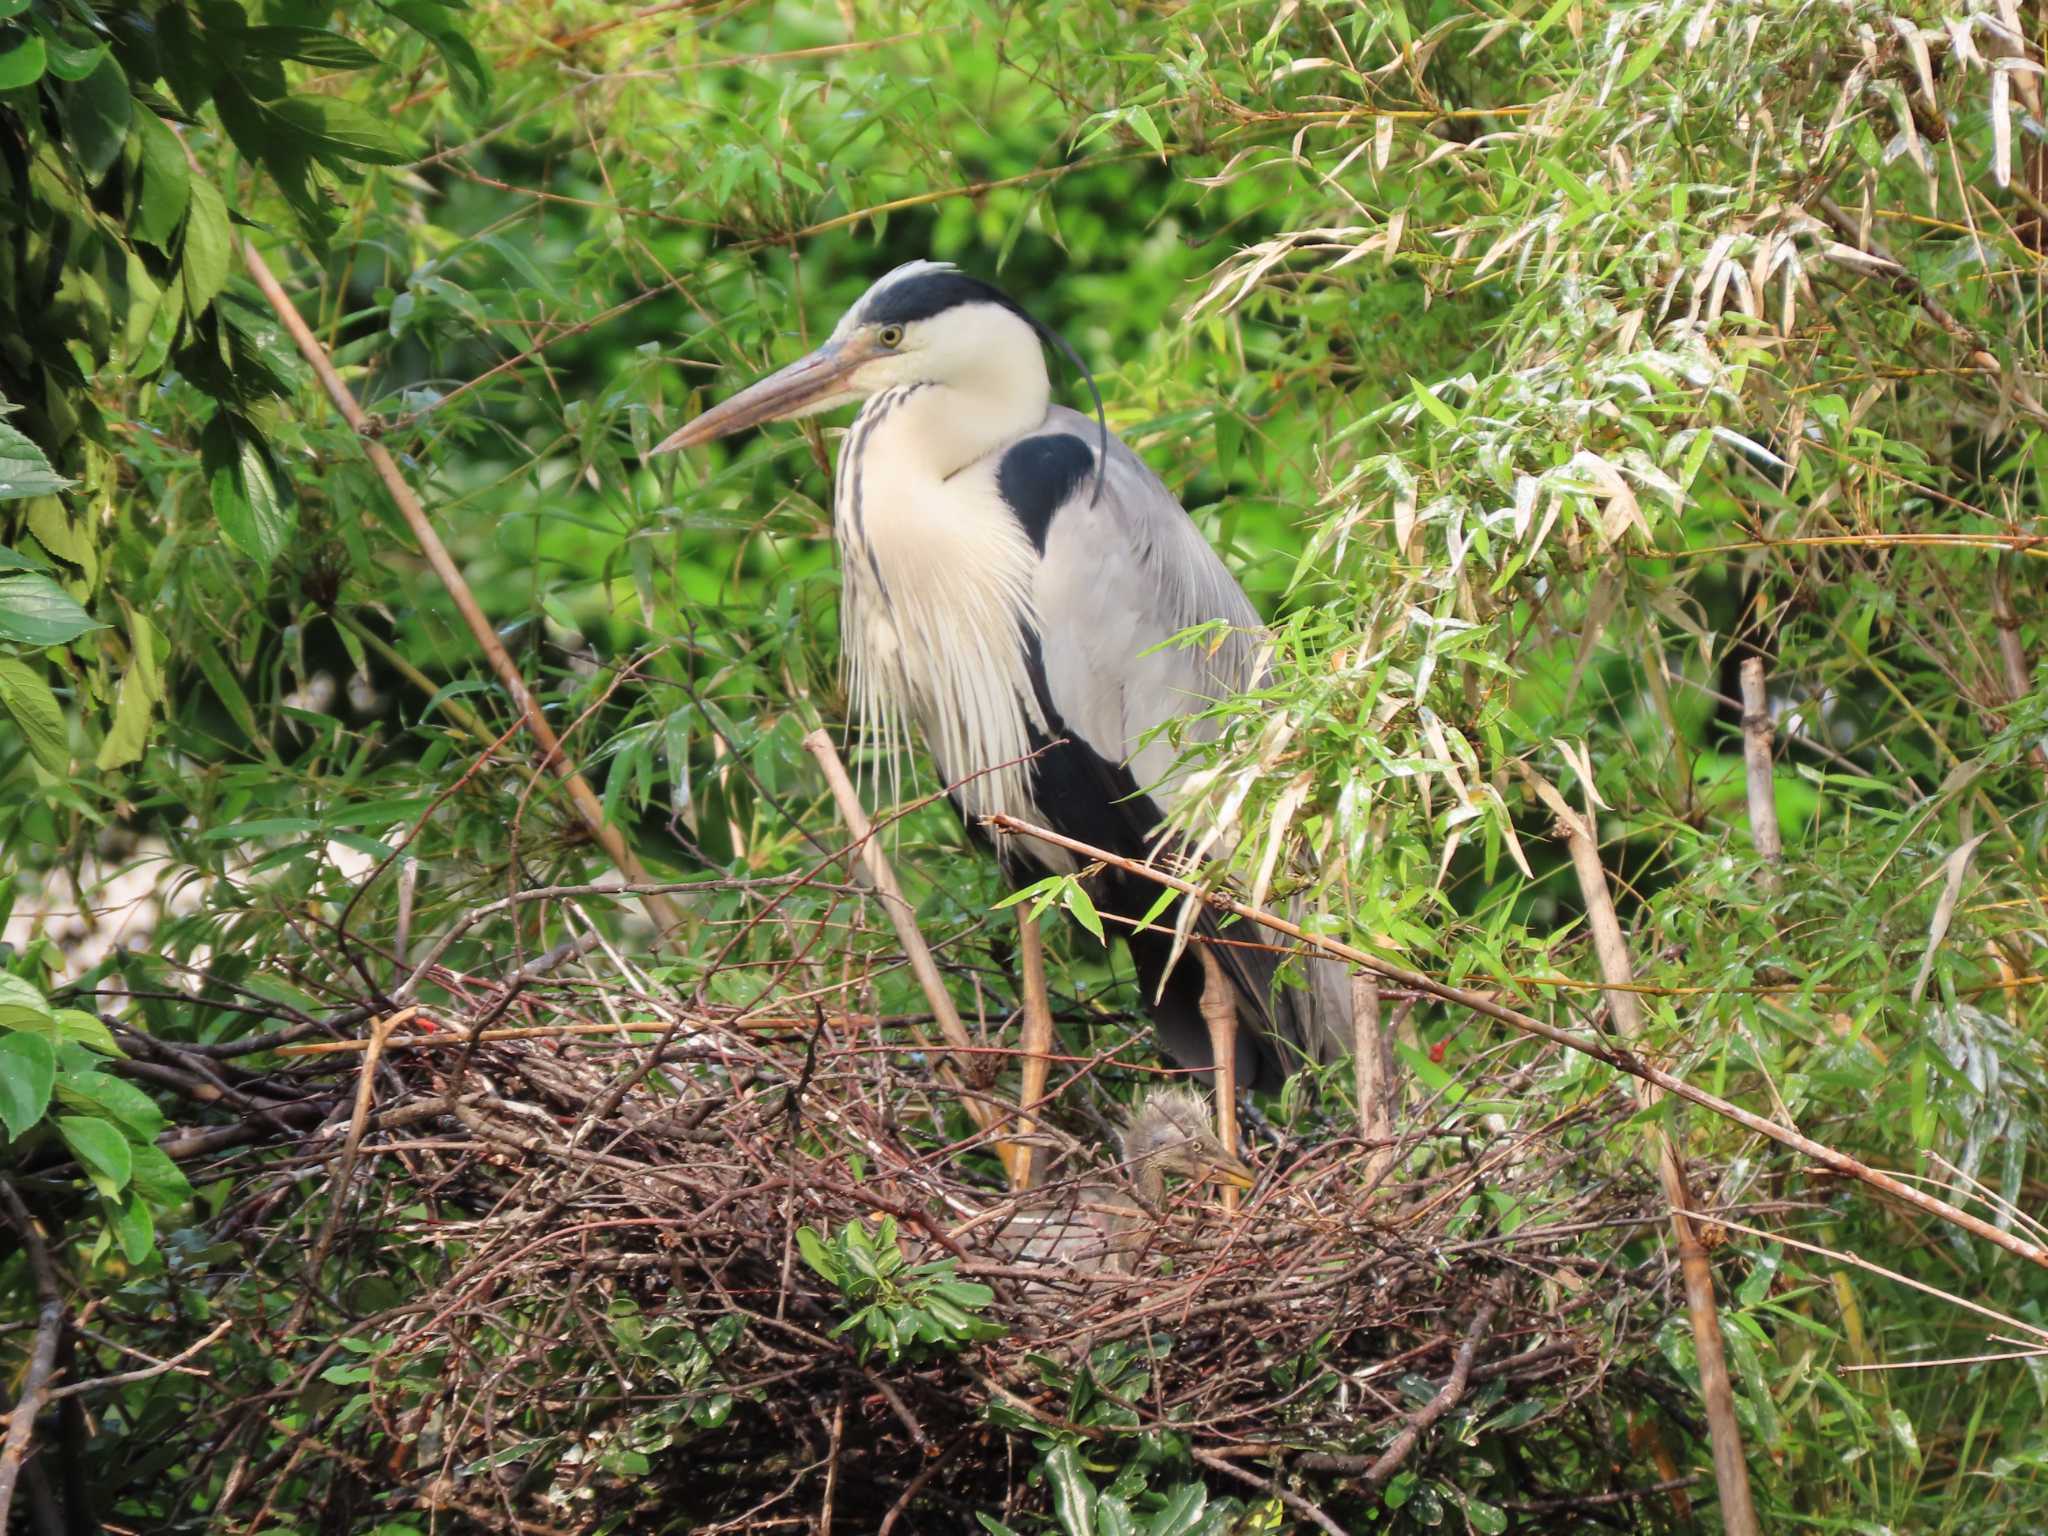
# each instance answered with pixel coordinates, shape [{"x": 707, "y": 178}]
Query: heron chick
[
  {"x": 1013, "y": 579},
  {"x": 1099, "y": 1226}
]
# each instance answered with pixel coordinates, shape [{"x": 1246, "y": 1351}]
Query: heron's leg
[
  {"x": 1038, "y": 1041},
  {"x": 1219, "y": 1011}
]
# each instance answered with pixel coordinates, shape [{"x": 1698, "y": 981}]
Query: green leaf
[
  {"x": 34, "y": 610},
  {"x": 1073, "y": 1494},
  {"x": 95, "y": 111},
  {"x": 24, "y": 471},
  {"x": 23, "y": 63},
  {"x": 111, "y": 1097},
  {"x": 209, "y": 244},
  {"x": 817, "y": 1255},
  {"x": 36, "y": 714},
  {"x": 28, "y": 1070},
  {"x": 253, "y": 516},
  {"x": 85, "y": 1029},
  {"x": 1141, "y": 121},
  {"x": 69, "y": 63},
  {"x": 101, "y": 1148},
  {"x": 221, "y": 677},
  {"x": 142, "y": 688},
  {"x": 166, "y": 182},
  {"x": 157, "y": 1179},
  {"x": 134, "y": 1228},
  {"x": 1077, "y": 901},
  {"x": 309, "y": 45},
  {"x": 1182, "y": 1513},
  {"x": 328, "y": 125}
]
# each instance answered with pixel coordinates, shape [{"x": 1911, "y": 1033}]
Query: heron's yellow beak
[
  {"x": 1229, "y": 1172},
  {"x": 810, "y": 384}
]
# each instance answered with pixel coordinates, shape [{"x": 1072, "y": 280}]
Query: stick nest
[{"x": 602, "y": 1306}]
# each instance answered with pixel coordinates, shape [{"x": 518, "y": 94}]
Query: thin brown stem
[{"x": 903, "y": 918}]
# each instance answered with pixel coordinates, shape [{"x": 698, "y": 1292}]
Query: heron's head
[
  {"x": 924, "y": 323},
  {"x": 1171, "y": 1132}
]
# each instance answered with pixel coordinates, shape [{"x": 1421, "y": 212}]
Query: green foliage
[
  {"x": 1529, "y": 366},
  {"x": 56, "y": 1084},
  {"x": 905, "y": 1310}
]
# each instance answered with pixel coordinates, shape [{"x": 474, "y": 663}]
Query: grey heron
[{"x": 1013, "y": 579}]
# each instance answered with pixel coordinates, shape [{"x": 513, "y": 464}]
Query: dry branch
[
  {"x": 903, "y": 919},
  {"x": 588, "y": 807},
  {"x": 42, "y": 1357}
]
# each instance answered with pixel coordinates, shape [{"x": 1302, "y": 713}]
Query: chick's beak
[
  {"x": 809, "y": 384},
  {"x": 1229, "y": 1172}
]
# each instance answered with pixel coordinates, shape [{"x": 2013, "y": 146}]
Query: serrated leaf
[
  {"x": 128, "y": 732},
  {"x": 209, "y": 245},
  {"x": 166, "y": 189},
  {"x": 28, "y": 702},
  {"x": 34, "y": 610},
  {"x": 28, "y": 1071},
  {"x": 24, "y": 471},
  {"x": 95, "y": 112},
  {"x": 253, "y": 517},
  {"x": 101, "y": 1148}
]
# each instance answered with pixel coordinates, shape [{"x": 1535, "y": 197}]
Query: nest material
[{"x": 620, "y": 1325}]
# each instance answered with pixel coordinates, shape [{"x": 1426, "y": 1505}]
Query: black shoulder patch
[
  {"x": 925, "y": 294},
  {"x": 1037, "y": 476}
]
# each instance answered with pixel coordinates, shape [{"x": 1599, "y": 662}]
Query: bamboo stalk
[
  {"x": 903, "y": 918},
  {"x": 589, "y": 808},
  {"x": 1756, "y": 759},
  {"x": 2012, "y": 655},
  {"x": 1717, "y": 1394},
  {"x": 1372, "y": 1067},
  {"x": 1620, "y": 1059}
]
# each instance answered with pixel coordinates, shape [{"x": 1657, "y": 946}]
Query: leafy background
[{"x": 1531, "y": 365}]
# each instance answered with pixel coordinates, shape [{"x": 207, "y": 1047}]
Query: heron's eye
[{"x": 890, "y": 336}]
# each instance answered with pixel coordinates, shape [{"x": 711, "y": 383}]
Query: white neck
[{"x": 978, "y": 401}]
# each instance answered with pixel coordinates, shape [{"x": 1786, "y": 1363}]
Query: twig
[
  {"x": 589, "y": 808},
  {"x": 903, "y": 918},
  {"x": 1904, "y": 282},
  {"x": 159, "y": 1368},
  {"x": 1566, "y": 1501},
  {"x": 366, "y": 1082},
  {"x": 42, "y": 1355},
  {"x": 1388, "y": 1462},
  {"x": 1731, "y": 1469},
  {"x": 1306, "y": 1508},
  {"x": 1756, "y": 758},
  {"x": 1621, "y": 1060}
]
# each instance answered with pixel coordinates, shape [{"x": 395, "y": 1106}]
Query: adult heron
[{"x": 1013, "y": 579}]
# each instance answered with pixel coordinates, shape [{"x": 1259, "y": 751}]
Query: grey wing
[{"x": 1121, "y": 574}]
